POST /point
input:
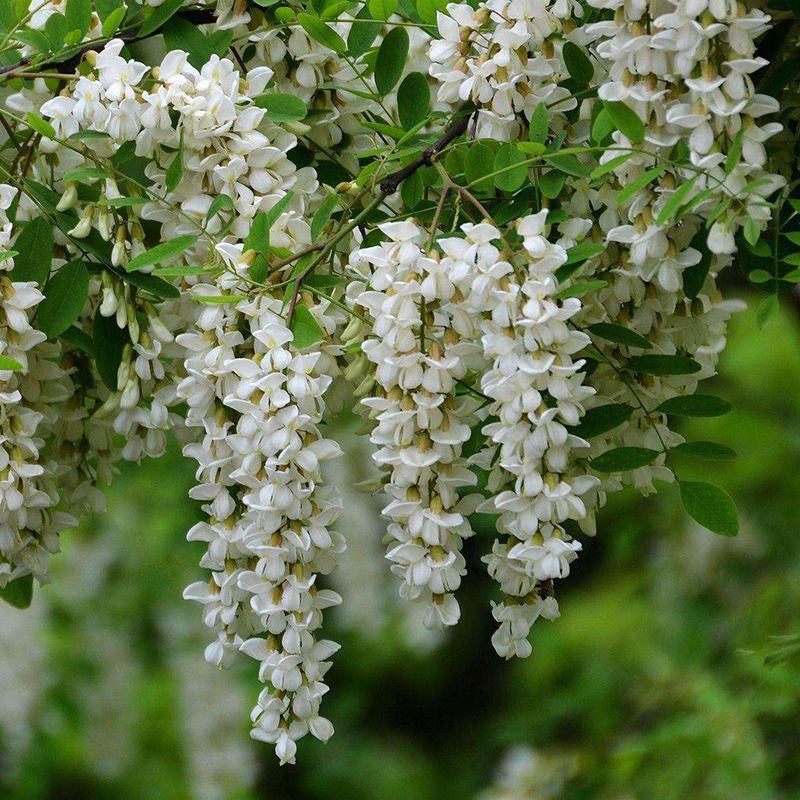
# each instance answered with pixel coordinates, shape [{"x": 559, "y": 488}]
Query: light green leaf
[
  {"x": 609, "y": 166},
  {"x": 511, "y": 168},
  {"x": 305, "y": 329},
  {"x": 40, "y": 125},
  {"x": 323, "y": 214},
  {"x": 580, "y": 289},
  {"x": 282, "y": 107},
  {"x": 539, "y": 125},
  {"x": 162, "y": 252},
  {"x": 676, "y": 200},
  {"x": 766, "y": 310},
  {"x": 323, "y": 33},
  {"x": 112, "y": 22},
  {"x": 382, "y": 9},
  {"x": 8, "y": 364},
  {"x": 160, "y": 15},
  {"x": 584, "y": 251},
  {"x": 637, "y": 184}
]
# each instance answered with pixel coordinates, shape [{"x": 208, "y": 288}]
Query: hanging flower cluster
[{"x": 502, "y": 224}]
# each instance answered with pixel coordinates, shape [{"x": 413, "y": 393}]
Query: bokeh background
[{"x": 652, "y": 685}]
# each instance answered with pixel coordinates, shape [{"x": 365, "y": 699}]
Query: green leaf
[
  {"x": 413, "y": 99},
  {"x": 793, "y": 237},
  {"x": 760, "y": 276},
  {"x": 710, "y": 506},
  {"x": 79, "y": 15},
  {"x": 323, "y": 214},
  {"x": 220, "y": 299},
  {"x": 551, "y": 183},
  {"x": 160, "y": 15},
  {"x": 752, "y": 231},
  {"x": 514, "y": 168},
  {"x": 382, "y": 9},
  {"x": 602, "y": 126},
  {"x": 766, "y": 310},
  {"x": 151, "y": 283},
  {"x": 222, "y": 202},
  {"x": 619, "y": 335},
  {"x": 663, "y": 365},
  {"x": 362, "y": 34},
  {"x": 305, "y": 329},
  {"x": 708, "y": 451},
  {"x": 622, "y": 459},
  {"x": 583, "y": 252},
  {"x": 580, "y": 289},
  {"x": 568, "y": 163},
  {"x": 412, "y": 190},
  {"x": 676, "y": 200},
  {"x": 175, "y": 169},
  {"x": 178, "y": 271},
  {"x": 282, "y": 107},
  {"x": 324, "y": 34},
  {"x": 637, "y": 184},
  {"x": 85, "y": 175},
  {"x": 609, "y": 166},
  {"x": 695, "y": 405},
  {"x": 80, "y": 339},
  {"x": 478, "y": 163},
  {"x": 162, "y": 252},
  {"x": 793, "y": 276},
  {"x": 625, "y": 120},
  {"x": 578, "y": 64},
  {"x": 180, "y": 34},
  {"x": 35, "y": 247},
  {"x": 695, "y": 276},
  {"x": 391, "y": 60},
  {"x": 40, "y": 125},
  {"x": 601, "y": 419},
  {"x": 427, "y": 10},
  {"x": 18, "y": 593},
  {"x": 108, "y": 342},
  {"x": 734, "y": 153},
  {"x": 539, "y": 125},
  {"x": 57, "y": 30},
  {"x": 65, "y": 297},
  {"x": 35, "y": 39},
  {"x": 112, "y": 22},
  {"x": 8, "y": 364}
]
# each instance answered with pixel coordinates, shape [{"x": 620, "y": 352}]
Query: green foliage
[{"x": 391, "y": 60}]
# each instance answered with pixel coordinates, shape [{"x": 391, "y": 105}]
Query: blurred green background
[{"x": 651, "y": 685}]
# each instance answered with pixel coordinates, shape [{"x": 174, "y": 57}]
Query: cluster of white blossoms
[
  {"x": 420, "y": 423},
  {"x": 538, "y": 393},
  {"x": 478, "y": 342},
  {"x": 506, "y": 57}
]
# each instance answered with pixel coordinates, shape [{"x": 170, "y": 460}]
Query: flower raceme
[{"x": 208, "y": 245}]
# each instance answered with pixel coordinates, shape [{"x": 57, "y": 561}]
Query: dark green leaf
[
  {"x": 708, "y": 451},
  {"x": 79, "y": 16},
  {"x": 637, "y": 184},
  {"x": 583, "y": 252},
  {"x": 580, "y": 289},
  {"x": 622, "y": 459},
  {"x": 712, "y": 507},
  {"x": 391, "y": 60},
  {"x": 619, "y": 335},
  {"x": 108, "y": 342},
  {"x": 695, "y": 405},
  {"x": 65, "y": 297},
  {"x": 175, "y": 169},
  {"x": 578, "y": 64},
  {"x": 160, "y": 15},
  {"x": 478, "y": 163},
  {"x": 322, "y": 215},
  {"x": 18, "y": 593},
  {"x": 625, "y": 120},
  {"x": 540, "y": 124},
  {"x": 663, "y": 365},
  {"x": 35, "y": 247},
  {"x": 602, "y": 419},
  {"x": 362, "y": 34},
  {"x": 413, "y": 99}
]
